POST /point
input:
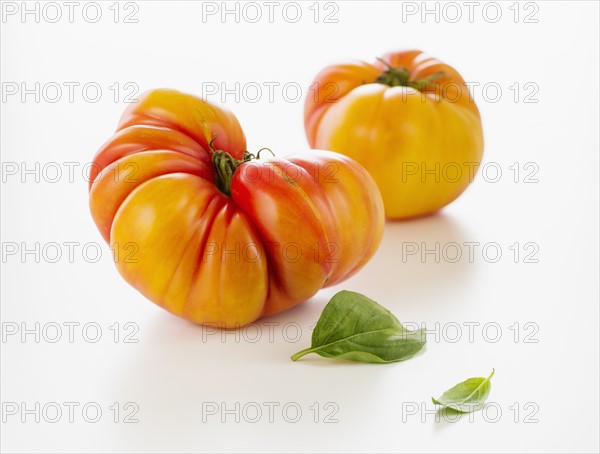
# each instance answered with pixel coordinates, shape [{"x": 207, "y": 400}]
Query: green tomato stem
[
  {"x": 400, "y": 77},
  {"x": 225, "y": 166}
]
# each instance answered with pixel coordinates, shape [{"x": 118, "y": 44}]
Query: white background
[{"x": 176, "y": 368}]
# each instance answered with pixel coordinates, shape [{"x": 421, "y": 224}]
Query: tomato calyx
[
  {"x": 225, "y": 166},
  {"x": 400, "y": 77}
]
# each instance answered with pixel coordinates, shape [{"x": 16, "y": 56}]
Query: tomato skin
[
  {"x": 421, "y": 146},
  {"x": 289, "y": 227},
  {"x": 324, "y": 222}
]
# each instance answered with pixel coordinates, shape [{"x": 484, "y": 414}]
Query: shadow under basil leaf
[{"x": 447, "y": 417}]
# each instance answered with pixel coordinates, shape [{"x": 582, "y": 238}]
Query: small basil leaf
[
  {"x": 468, "y": 396},
  {"x": 356, "y": 328}
]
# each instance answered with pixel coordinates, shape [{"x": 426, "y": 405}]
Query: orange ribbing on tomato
[{"x": 214, "y": 235}]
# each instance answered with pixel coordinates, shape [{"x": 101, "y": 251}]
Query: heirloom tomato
[
  {"x": 409, "y": 119},
  {"x": 215, "y": 234}
]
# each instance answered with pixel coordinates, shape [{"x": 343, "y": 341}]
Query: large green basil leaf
[{"x": 356, "y": 328}]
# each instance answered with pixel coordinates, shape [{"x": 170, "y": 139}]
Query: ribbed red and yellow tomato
[
  {"x": 408, "y": 119},
  {"x": 216, "y": 237}
]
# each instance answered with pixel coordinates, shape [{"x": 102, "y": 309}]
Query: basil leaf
[
  {"x": 468, "y": 396},
  {"x": 356, "y": 328}
]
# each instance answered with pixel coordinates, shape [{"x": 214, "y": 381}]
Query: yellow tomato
[{"x": 408, "y": 119}]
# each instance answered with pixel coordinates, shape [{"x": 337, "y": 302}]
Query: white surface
[{"x": 176, "y": 367}]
